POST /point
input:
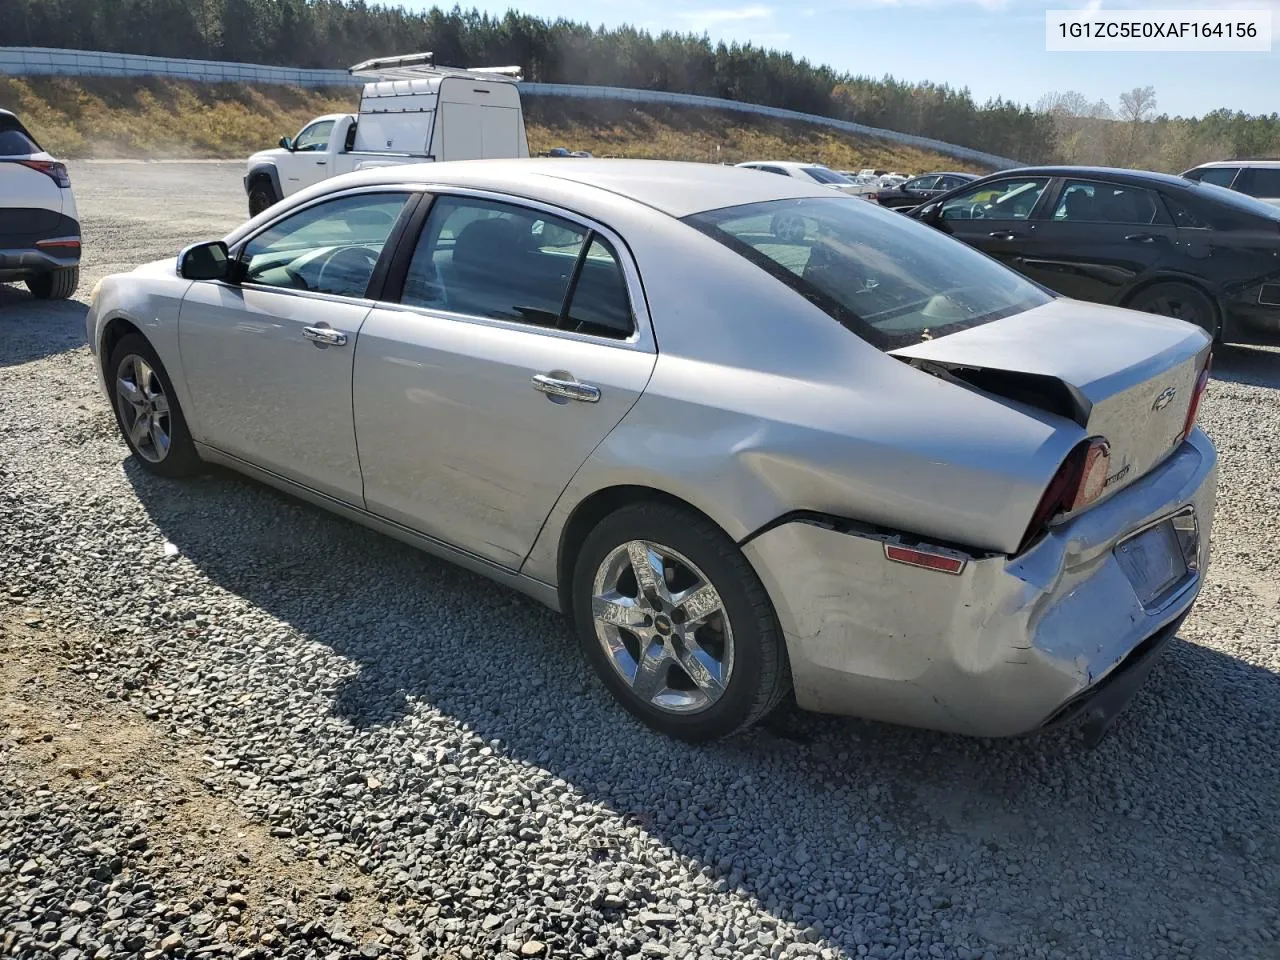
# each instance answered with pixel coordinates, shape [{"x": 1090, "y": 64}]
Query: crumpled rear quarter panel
[{"x": 993, "y": 651}]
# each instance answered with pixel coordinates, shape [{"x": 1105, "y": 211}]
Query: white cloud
[{"x": 700, "y": 20}]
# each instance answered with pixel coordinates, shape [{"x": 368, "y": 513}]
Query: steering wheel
[{"x": 355, "y": 260}]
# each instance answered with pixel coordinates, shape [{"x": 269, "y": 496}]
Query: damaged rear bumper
[{"x": 1008, "y": 645}]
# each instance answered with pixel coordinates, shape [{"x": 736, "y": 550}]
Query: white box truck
[{"x": 411, "y": 111}]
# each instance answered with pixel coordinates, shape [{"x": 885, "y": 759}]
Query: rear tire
[
  {"x": 57, "y": 284},
  {"x": 1181, "y": 301},
  {"x": 261, "y": 196},
  {"x": 147, "y": 410},
  {"x": 728, "y": 634}
]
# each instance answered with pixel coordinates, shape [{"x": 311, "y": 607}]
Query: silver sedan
[{"x": 749, "y": 436}]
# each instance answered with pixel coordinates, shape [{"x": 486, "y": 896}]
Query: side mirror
[
  {"x": 286, "y": 143},
  {"x": 205, "y": 261},
  {"x": 929, "y": 213}
]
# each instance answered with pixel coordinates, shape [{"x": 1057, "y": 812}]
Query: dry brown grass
[{"x": 156, "y": 118}]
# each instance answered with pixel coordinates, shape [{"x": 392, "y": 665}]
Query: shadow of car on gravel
[
  {"x": 1252, "y": 366},
  {"x": 31, "y": 329},
  {"x": 834, "y": 807}
]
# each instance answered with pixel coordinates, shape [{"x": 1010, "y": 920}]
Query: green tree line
[{"x": 337, "y": 33}]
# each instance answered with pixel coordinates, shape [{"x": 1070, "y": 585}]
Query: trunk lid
[{"x": 1125, "y": 376}]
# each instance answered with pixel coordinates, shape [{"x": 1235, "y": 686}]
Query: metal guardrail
[{"x": 44, "y": 61}]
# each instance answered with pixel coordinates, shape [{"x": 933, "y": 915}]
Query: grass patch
[{"x": 107, "y": 117}]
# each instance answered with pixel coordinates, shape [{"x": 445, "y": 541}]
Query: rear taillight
[
  {"x": 1079, "y": 482},
  {"x": 55, "y": 171},
  {"x": 1193, "y": 411}
]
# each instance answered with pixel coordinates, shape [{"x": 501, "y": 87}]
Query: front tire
[
  {"x": 261, "y": 196},
  {"x": 1181, "y": 301},
  {"x": 676, "y": 623},
  {"x": 147, "y": 410},
  {"x": 57, "y": 284}
]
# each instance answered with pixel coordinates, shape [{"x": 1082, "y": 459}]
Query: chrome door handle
[
  {"x": 1141, "y": 238},
  {"x": 566, "y": 389},
  {"x": 1003, "y": 235},
  {"x": 324, "y": 336}
]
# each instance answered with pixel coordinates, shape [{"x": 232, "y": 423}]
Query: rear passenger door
[
  {"x": 1096, "y": 239},
  {"x": 517, "y": 340}
]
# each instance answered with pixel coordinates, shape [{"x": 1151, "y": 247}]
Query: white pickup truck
[{"x": 411, "y": 111}]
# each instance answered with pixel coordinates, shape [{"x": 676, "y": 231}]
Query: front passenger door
[
  {"x": 268, "y": 361},
  {"x": 995, "y": 217}
]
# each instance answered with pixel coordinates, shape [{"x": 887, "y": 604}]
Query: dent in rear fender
[{"x": 992, "y": 651}]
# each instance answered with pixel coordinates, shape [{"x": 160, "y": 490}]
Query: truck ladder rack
[{"x": 417, "y": 66}]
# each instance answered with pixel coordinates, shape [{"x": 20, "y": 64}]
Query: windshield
[
  {"x": 823, "y": 175},
  {"x": 889, "y": 279}
]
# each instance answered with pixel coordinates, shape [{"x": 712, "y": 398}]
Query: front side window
[
  {"x": 1085, "y": 201},
  {"x": 1012, "y": 199},
  {"x": 331, "y": 247},
  {"x": 1219, "y": 176},
  {"x": 948, "y": 183},
  {"x": 314, "y": 138},
  {"x": 921, "y": 183},
  {"x": 486, "y": 258},
  {"x": 889, "y": 279}
]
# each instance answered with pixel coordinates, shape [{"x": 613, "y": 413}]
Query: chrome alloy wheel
[
  {"x": 144, "y": 409},
  {"x": 663, "y": 627}
]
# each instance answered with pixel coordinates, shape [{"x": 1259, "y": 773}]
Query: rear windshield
[
  {"x": 823, "y": 175},
  {"x": 888, "y": 278},
  {"x": 15, "y": 143}
]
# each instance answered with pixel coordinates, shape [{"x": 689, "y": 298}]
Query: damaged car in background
[{"x": 748, "y": 436}]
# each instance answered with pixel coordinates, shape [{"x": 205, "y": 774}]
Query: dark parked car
[
  {"x": 1147, "y": 241},
  {"x": 919, "y": 189}
]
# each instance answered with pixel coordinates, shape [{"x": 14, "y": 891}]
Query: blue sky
[{"x": 994, "y": 47}]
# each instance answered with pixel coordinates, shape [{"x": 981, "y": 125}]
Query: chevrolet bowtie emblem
[{"x": 1165, "y": 398}]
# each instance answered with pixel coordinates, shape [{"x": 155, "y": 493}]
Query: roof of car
[
  {"x": 675, "y": 188},
  {"x": 1260, "y": 162},
  {"x": 1119, "y": 174}
]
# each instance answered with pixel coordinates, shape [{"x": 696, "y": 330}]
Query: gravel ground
[{"x": 231, "y": 724}]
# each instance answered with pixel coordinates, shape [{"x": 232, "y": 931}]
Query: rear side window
[
  {"x": 497, "y": 260},
  {"x": 1088, "y": 201},
  {"x": 15, "y": 143},
  {"x": 1184, "y": 216},
  {"x": 888, "y": 278},
  {"x": 1262, "y": 182},
  {"x": 1220, "y": 176}
]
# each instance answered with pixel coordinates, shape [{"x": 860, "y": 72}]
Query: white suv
[
  {"x": 39, "y": 228},
  {"x": 1257, "y": 178}
]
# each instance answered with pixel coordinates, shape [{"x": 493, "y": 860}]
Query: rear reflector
[
  {"x": 61, "y": 243},
  {"x": 927, "y": 559}
]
